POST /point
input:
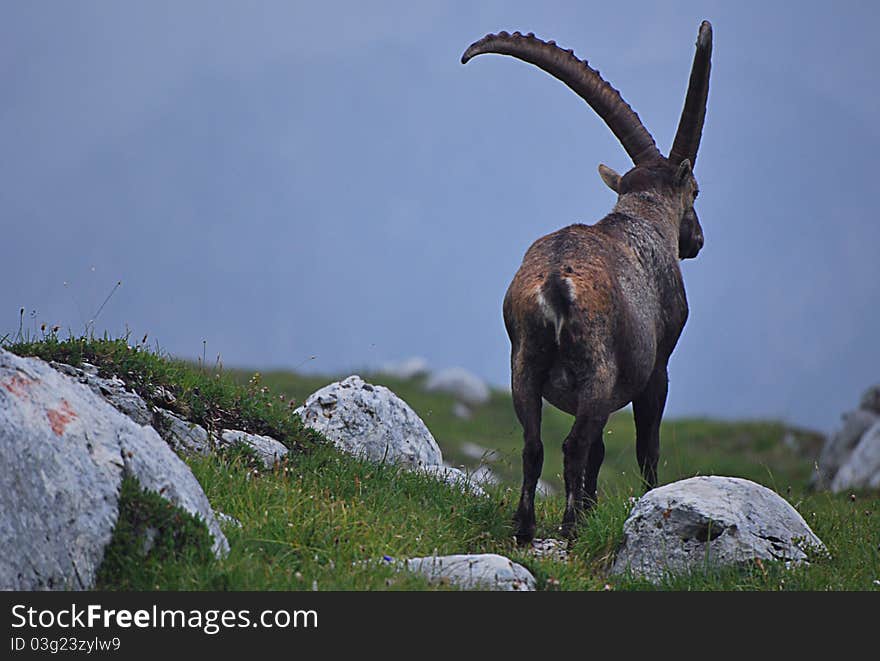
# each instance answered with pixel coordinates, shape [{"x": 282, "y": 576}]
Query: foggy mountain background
[{"x": 287, "y": 180}]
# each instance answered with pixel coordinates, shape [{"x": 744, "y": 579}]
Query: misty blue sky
[{"x": 286, "y": 180}]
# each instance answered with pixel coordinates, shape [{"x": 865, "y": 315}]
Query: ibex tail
[{"x": 555, "y": 299}]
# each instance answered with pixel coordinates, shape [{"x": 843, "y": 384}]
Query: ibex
[{"x": 594, "y": 311}]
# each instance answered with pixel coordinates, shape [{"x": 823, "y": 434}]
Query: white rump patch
[
  {"x": 572, "y": 290},
  {"x": 551, "y": 315}
]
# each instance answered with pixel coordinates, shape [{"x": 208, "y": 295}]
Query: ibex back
[{"x": 594, "y": 312}]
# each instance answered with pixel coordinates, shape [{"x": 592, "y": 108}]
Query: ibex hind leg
[
  {"x": 585, "y": 434},
  {"x": 529, "y": 370},
  {"x": 648, "y": 412},
  {"x": 596, "y": 456}
]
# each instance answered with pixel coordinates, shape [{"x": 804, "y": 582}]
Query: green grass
[
  {"x": 151, "y": 536},
  {"x": 325, "y": 520}
]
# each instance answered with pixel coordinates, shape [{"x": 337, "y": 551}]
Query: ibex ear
[
  {"x": 684, "y": 171},
  {"x": 610, "y": 177}
]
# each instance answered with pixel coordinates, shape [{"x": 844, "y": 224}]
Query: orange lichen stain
[
  {"x": 18, "y": 385},
  {"x": 61, "y": 417}
]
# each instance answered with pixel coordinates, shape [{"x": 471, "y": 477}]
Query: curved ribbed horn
[
  {"x": 690, "y": 126},
  {"x": 585, "y": 81}
]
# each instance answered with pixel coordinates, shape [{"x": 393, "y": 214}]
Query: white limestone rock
[
  {"x": 63, "y": 454},
  {"x": 710, "y": 520},
  {"x": 862, "y": 468},
  {"x": 267, "y": 448},
  {"x": 485, "y": 571},
  {"x": 839, "y": 447},
  {"x": 372, "y": 422},
  {"x": 183, "y": 436}
]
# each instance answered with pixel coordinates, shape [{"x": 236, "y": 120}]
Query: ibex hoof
[{"x": 524, "y": 534}]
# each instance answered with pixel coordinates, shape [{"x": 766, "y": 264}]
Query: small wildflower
[
  {"x": 761, "y": 567},
  {"x": 608, "y": 587}
]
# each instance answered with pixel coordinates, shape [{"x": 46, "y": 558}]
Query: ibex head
[{"x": 671, "y": 176}]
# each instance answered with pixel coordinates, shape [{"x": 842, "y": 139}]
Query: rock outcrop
[
  {"x": 64, "y": 452},
  {"x": 850, "y": 458},
  {"x": 862, "y": 468}
]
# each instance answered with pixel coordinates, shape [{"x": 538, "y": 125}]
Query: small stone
[
  {"x": 183, "y": 436},
  {"x": 554, "y": 549},
  {"x": 267, "y": 448},
  {"x": 486, "y": 571}
]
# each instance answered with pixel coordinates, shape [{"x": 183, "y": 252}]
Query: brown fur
[
  {"x": 595, "y": 311},
  {"x": 593, "y": 314}
]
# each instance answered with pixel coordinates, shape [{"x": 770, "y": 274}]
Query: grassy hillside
[
  {"x": 322, "y": 520},
  {"x": 767, "y": 452}
]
